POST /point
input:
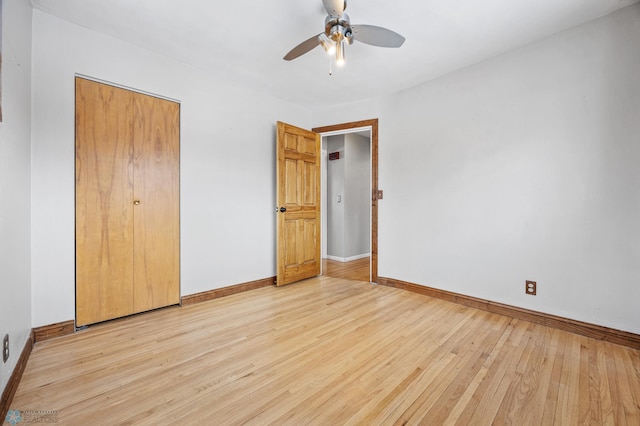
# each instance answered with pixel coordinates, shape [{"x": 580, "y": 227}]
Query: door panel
[
  {"x": 290, "y": 240},
  {"x": 291, "y": 183},
  {"x": 310, "y": 226},
  {"x": 298, "y": 191},
  {"x": 104, "y": 215},
  {"x": 156, "y": 212},
  {"x": 310, "y": 181}
]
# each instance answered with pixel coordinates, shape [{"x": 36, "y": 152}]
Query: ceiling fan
[{"x": 338, "y": 31}]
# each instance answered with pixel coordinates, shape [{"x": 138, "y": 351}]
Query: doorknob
[
  {"x": 136, "y": 202},
  {"x": 283, "y": 209}
]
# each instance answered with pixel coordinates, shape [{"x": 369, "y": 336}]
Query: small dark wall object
[{"x": 334, "y": 156}]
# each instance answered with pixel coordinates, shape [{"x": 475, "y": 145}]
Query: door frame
[{"x": 372, "y": 124}]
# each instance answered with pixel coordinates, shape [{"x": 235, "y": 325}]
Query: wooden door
[
  {"x": 298, "y": 203},
  {"x": 127, "y": 206},
  {"x": 104, "y": 209},
  {"x": 156, "y": 137}
]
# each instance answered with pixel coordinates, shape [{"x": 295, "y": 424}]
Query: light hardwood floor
[
  {"x": 329, "y": 351},
  {"x": 358, "y": 270}
]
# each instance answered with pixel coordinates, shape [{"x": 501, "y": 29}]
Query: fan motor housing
[{"x": 338, "y": 28}]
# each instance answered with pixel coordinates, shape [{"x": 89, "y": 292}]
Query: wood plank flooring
[
  {"x": 358, "y": 270},
  {"x": 328, "y": 351}
]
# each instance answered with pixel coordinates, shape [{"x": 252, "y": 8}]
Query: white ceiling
[{"x": 246, "y": 40}]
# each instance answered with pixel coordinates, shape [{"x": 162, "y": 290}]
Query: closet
[{"x": 127, "y": 202}]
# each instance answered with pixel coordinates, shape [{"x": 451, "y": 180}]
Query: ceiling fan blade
[
  {"x": 377, "y": 36},
  {"x": 335, "y": 7},
  {"x": 302, "y": 48}
]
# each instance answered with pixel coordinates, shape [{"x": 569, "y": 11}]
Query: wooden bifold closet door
[{"x": 127, "y": 202}]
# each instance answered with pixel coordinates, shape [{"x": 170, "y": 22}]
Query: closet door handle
[
  {"x": 283, "y": 209},
  {"x": 136, "y": 202}
]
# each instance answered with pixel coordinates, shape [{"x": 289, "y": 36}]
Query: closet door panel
[
  {"x": 156, "y": 212},
  {"x": 104, "y": 212}
]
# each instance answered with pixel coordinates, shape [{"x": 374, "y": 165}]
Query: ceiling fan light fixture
[
  {"x": 327, "y": 44},
  {"x": 338, "y": 33},
  {"x": 340, "y": 53}
]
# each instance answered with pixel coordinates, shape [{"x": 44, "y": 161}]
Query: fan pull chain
[{"x": 330, "y": 70}]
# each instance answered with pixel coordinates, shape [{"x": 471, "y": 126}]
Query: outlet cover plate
[{"x": 531, "y": 288}]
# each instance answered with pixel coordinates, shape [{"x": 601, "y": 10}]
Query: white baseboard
[{"x": 348, "y": 259}]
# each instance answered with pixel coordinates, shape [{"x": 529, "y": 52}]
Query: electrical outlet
[
  {"x": 530, "y": 288},
  {"x": 5, "y": 348}
]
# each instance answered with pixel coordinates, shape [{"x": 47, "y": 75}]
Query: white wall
[
  {"x": 227, "y": 163},
  {"x": 357, "y": 213},
  {"x": 335, "y": 207},
  {"x": 521, "y": 167},
  {"x": 323, "y": 197},
  {"x": 15, "y": 167}
]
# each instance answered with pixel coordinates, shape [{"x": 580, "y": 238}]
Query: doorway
[{"x": 350, "y": 203}]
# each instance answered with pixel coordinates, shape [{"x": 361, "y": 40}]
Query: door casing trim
[{"x": 347, "y": 128}]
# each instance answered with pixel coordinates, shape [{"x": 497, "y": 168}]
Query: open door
[{"x": 298, "y": 204}]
